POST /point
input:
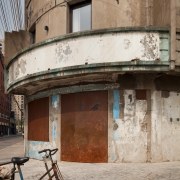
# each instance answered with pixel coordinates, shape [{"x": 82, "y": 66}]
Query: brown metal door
[
  {"x": 84, "y": 127},
  {"x": 38, "y": 120}
]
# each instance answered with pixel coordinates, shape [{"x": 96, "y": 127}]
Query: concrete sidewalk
[
  {"x": 14, "y": 146},
  {"x": 9, "y": 136},
  {"x": 11, "y": 146},
  {"x": 111, "y": 171}
]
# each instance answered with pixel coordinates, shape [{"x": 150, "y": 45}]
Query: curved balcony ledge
[
  {"x": 64, "y": 76},
  {"x": 92, "y": 52},
  {"x": 150, "y": 29}
]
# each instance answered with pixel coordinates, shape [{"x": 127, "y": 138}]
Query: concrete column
[
  {"x": 54, "y": 123},
  {"x": 148, "y": 125},
  {"x": 25, "y": 125}
]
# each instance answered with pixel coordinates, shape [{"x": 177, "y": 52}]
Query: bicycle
[
  {"x": 54, "y": 167},
  {"x": 16, "y": 161},
  {"x": 19, "y": 161}
]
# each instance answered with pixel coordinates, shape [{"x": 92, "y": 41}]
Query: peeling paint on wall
[
  {"x": 150, "y": 46},
  {"x": 171, "y": 127},
  {"x": 165, "y": 126},
  {"x": 34, "y": 146},
  {"x": 116, "y": 115},
  {"x": 55, "y": 101},
  {"x": 54, "y": 130},
  {"x": 130, "y": 133},
  {"x": 116, "y": 107},
  {"x": 54, "y": 116},
  {"x": 112, "y": 47}
]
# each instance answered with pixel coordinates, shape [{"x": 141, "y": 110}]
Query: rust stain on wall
[
  {"x": 38, "y": 121},
  {"x": 84, "y": 127}
]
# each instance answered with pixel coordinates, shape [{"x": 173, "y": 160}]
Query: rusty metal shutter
[
  {"x": 84, "y": 127},
  {"x": 38, "y": 120}
]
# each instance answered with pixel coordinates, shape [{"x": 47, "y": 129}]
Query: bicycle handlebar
[{"x": 49, "y": 151}]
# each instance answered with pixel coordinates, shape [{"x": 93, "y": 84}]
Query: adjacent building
[
  {"x": 17, "y": 106},
  {"x": 6, "y": 124},
  {"x": 101, "y": 79},
  {"x": 2, "y": 46}
]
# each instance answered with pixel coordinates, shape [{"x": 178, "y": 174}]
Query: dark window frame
[{"x": 76, "y": 6}]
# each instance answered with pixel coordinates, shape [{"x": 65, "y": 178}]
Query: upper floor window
[{"x": 81, "y": 16}]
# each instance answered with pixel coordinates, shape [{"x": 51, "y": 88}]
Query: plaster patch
[
  {"x": 116, "y": 107},
  {"x": 150, "y": 48},
  {"x": 54, "y": 130},
  {"x": 55, "y": 101},
  {"x": 34, "y": 146}
]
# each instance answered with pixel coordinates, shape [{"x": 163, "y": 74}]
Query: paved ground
[
  {"x": 91, "y": 171},
  {"x": 11, "y": 146}
]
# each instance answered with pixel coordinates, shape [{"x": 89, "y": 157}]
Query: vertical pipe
[
  {"x": 173, "y": 34},
  {"x": 149, "y": 12}
]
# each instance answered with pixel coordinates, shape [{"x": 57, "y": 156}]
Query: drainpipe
[
  {"x": 173, "y": 34},
  {"x": 149, "y": 12}
]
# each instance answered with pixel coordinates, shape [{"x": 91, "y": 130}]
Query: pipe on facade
[
  {"x": 173, "y": 34},
  {"x": 149, "y": 12}
]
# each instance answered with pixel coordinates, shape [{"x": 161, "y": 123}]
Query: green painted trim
[
  {"x": 164, "y": 47},
  {"x": 73, "y": 89},
  {"x": 132, "y": 66},
  {"x": 88, "y": 33}
]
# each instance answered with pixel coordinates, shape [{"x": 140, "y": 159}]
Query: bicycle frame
[{"x": 54, "y": 167}]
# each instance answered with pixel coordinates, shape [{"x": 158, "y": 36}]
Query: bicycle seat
[{"x": 19, "y": 160}]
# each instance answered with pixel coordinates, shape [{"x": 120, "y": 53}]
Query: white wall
[
  {"x": 129, "y": 140},
  {"x": 103, "y": 48},
  {"x": 165, "y": 126}
]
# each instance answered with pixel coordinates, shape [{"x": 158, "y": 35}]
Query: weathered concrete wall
[
  {"x": 15, "y": 42},
  {"x": 116, "y": 47},
  {"x": 143, "y": 128},
  {"x": 36, "y": 9},
  {"x": 171, "y": 127},
  {"x": 144, "y": 132},
  {"x": 156, "y": 115},
  {"x": 165, "y": 126},
  {"x": 55, "y": 123},
  {"x": 129, "y": 140},
  {"x": 55, "y": 20},
  {"x": 56, "y": 15},
  {"x": 120, "y": 13},
  {"x": 178, "y": 13},
  {"x": 161, "y": 13},
  {"x": 47, "y": 13},
  {"x": 178, "y": 48}
]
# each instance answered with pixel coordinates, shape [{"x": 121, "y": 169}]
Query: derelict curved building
[{"x": 101, "y": 80}]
